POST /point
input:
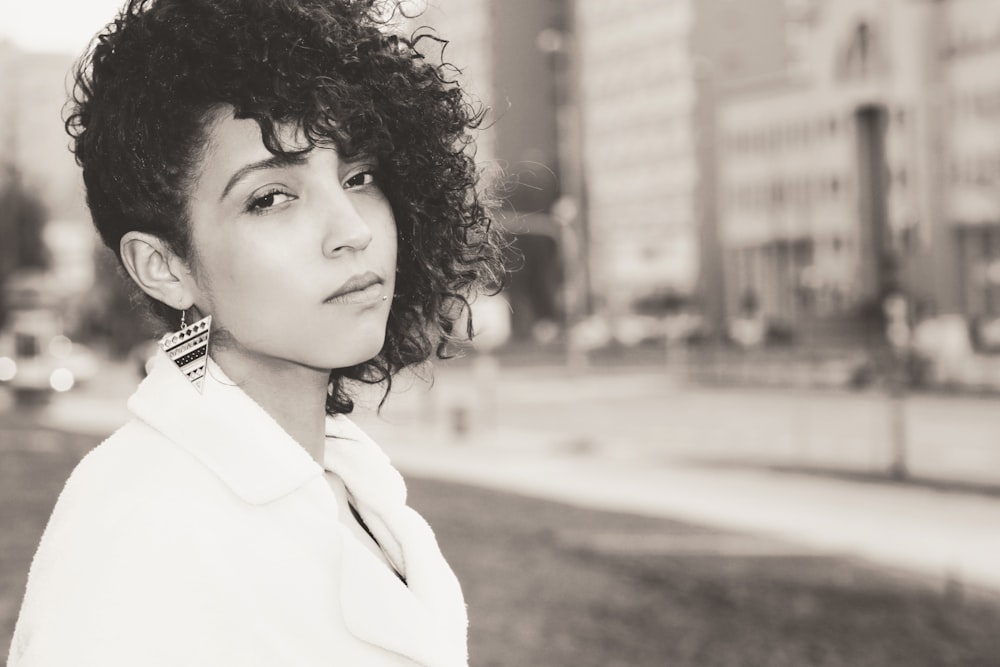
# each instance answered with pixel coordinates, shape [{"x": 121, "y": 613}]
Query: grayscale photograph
[{"x": 500, "y": 333}]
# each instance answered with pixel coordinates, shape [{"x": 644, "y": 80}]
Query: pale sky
[{"x": 63, "y": 26}]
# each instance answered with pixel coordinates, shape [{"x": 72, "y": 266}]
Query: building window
[{"x": 777, "y": 193}]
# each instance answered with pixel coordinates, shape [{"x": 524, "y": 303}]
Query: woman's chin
[{"x": 364, "y": 351}]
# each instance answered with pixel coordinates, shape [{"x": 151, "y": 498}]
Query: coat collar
[{"x": 226, "y": 430}]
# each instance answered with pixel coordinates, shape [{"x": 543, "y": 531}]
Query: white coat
[{"x": 201, "y": 533}]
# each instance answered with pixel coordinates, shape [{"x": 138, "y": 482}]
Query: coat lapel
[{"x": 431, "y": 625}]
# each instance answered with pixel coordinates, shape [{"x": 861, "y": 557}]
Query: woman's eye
[
  {"x": 268, "y": 200},
  {"x": 360, "y": 179}
]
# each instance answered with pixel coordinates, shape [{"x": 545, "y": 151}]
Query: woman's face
[{"x": 294, "y": 259}]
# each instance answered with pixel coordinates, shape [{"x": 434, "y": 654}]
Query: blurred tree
[{"x": 22, "y": 217}]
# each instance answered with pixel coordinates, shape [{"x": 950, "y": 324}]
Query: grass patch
[{"x": 540, "y": 593}]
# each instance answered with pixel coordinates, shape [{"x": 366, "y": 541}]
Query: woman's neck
[{"x": 293, "y": 395}]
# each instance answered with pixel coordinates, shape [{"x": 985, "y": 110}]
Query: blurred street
[
  {"x": 808, "y": 467},
  {"x": 651, "y": 414}
]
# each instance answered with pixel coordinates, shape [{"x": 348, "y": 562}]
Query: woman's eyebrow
[{"x": 272, "y": 162}]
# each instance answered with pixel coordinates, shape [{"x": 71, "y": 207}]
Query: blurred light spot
[
  {"x": 8, "y": 369},
  {"x": 61, "y": 379},
  {"x": 60, "y": 347}
]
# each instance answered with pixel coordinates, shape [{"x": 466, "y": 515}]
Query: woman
[{"x": 288, "y": 181}]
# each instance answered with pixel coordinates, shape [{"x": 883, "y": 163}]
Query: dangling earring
[{"x": 188, "y": 348}]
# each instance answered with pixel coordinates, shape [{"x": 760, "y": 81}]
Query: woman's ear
[{"x": 157, "y": 270}]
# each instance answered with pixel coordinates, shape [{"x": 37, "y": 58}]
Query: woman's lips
[
  {"x": 370, "y": 294},
  {"x": 359, "y": 288}
]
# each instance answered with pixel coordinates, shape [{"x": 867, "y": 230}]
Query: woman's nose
[{"x": 345, "y": 229}]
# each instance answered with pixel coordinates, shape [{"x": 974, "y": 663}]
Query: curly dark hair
[{"x": 143, "y": 99}]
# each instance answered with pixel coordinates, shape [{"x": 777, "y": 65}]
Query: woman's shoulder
[
  {"x": 132, "y": 499},
  {"x": 135, "y": 457},
  {"x": 136, "y": 476}
]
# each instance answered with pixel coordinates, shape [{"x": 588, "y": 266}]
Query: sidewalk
[{"x": 949, "y": 538}]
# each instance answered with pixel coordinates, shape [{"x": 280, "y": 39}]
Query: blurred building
[
  {"x": 967, "y": 100},
  {"x": 639, "y": 105},
  {"x": 796, "y": 158},
  {"x": 868, "y": 165},
  {"x": 649, "y": 74},
  {"x": 33, "y": 92},
  {"x": 604, "y": 137}
]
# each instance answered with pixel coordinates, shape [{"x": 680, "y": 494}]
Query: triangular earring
[{"x": 188, "y": 349}]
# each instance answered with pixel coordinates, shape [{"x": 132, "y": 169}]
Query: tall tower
[{"x": 513, "y": 59}]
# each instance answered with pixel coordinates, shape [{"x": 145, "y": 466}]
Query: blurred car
[
  {"x": 36, "y": 362},
  {"x": 37, "y": 359},
  {"x": 634, "y": 329}
]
